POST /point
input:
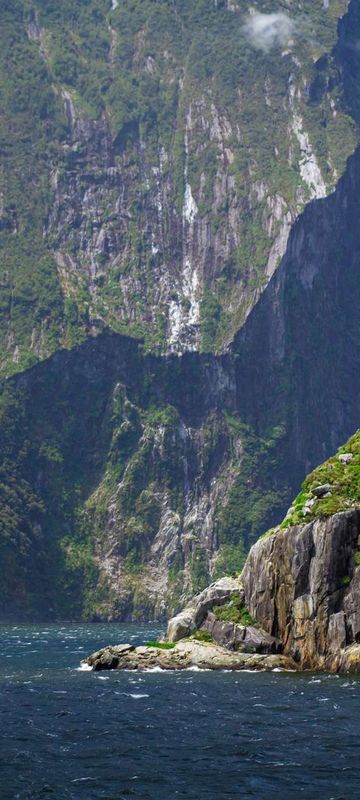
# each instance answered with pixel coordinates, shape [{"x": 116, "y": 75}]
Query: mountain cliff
[
  {"x": 154, "y": 158},
  {"x": 132, "y": 479},
  {"x": 152, "y": 186}
]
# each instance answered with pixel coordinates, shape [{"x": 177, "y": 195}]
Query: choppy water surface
[{"x": 73, "y": 735}]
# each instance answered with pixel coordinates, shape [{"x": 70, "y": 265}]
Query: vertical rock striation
[{"x": 303, "y": 586}]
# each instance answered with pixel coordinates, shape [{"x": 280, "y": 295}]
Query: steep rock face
[
  {"x": 138, "y": 190},
  {"x": 184, "y": 491},
  {"x": 302, "y": 585},
  {"x": 108, "y": 479},
  {"x": 303, "y": 334}
]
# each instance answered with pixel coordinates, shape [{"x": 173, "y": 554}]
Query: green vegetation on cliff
[
  {"x": 330, "y": 488},
  {"x": 234, "y": 611},
  {"x": 121, "y": 479},
  {"x": 125, "y": 487},
  {"x": 252, "y": 493},
  {"x": 152, "y": 145},
  {"x": 150, "y": 163}
]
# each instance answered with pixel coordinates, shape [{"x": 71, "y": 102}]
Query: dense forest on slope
[{"x": 154, "y": 167}]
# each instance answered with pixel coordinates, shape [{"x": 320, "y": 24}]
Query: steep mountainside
[
  {"x": 154, "y": 158},
  {"x": 129, "y": 475},
  {"x": 134, "y": 477}
]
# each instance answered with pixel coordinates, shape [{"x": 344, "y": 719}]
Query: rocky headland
[
  {"x": 296, "y": 604},
  {"x": 199, "y": 638}
]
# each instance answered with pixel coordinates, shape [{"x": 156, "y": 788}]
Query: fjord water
[{"x": 68, "y": 734}]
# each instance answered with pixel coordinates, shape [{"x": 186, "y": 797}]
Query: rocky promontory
[
  {"x": 214, "y": 631},
  {"x": 303, "y": 586},
  {"x": 301, "y": 581},
  {"x": 296, "y": 604}
]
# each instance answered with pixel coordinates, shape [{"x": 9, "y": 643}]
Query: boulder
[
  {"x": 193, "y": 615},
  {"x": 259, "y": 641},
  {"x": 308, "y": 506},
  {"x": 322, "y": 490},
  {"x": 245, "y": 638},
  {"x": 181, "y": 625},
  {"x": 108, "y": 657},
  {"x": 345, "y": 458}
]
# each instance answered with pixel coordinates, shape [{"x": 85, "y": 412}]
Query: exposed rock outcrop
[
  {"x": 241, "y": 638},
  {"x": 297, "y": 598},
  {"x": 299, "y": 594},
  {"x": 195, "y": 613},
  {"x": 232, "y": 635},
  {"x": 303, "y": 586},
  {"x": 184, "y": 655}
]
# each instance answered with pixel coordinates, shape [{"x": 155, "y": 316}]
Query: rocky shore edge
[
  {"x": 196, "y": 638},
  {"x": 185, "y": 654},
  {"x": 295, "y": 606}
]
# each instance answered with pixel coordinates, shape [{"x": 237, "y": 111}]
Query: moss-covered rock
[{"x": 330, "y": 488}]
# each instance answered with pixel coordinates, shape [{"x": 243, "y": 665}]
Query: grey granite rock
[
  {"x": 321, "y": 491},
  {"x": 193, "y": 615},
  {"x": 302, "y": 586},
  {"x": 109, "y": 657},
  {"x": 184, "y": 655},
  {"x": 244, "y": 638},
  {"x": 345, "y": 458}
]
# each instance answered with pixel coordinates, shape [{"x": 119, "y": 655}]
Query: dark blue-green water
[{"x": 73, "y": 735}]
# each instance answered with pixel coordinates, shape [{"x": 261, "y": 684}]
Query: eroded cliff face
[
  {"x": 142, "y": 477},
  {"x": 154, "y": 165},
  {"x": 303, "y": 586},
  {"x": 113, "y": 467},
  {"x": 303, "y": 335}
]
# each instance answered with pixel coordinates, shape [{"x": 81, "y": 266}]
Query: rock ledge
[{"x": 185, "y": 654}]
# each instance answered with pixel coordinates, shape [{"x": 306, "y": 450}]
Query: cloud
[{"x": 265, "y": 31}]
